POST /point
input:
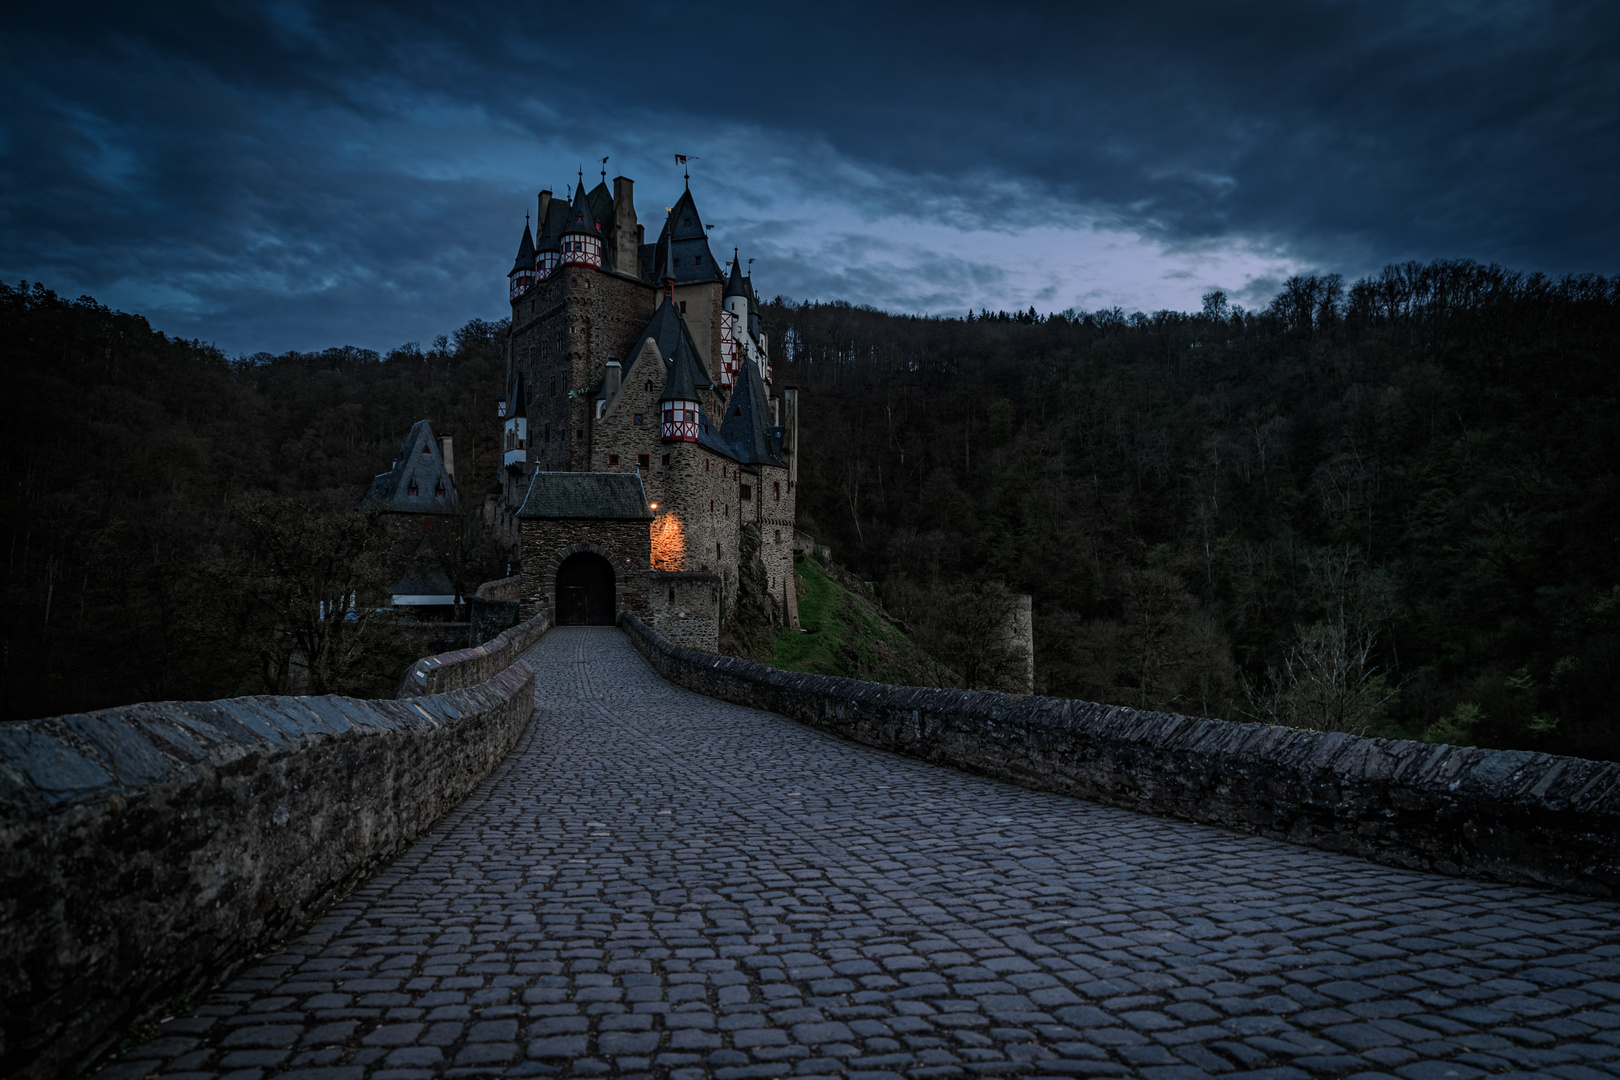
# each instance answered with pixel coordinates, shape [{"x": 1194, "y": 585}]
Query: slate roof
[
  {"x": 525, "y": 255},
  {"x": 685, "y": 236},
  {"x": 424, "y": 581},
  {"x": 734, "y": 284},
  {"x": 581, "y": 219},
  {"x": 601, "y": 200},
  {"x": 591, "y": 496},
  {"x": 746, "y": 428},
  {"x": 668, "y": 331},
  {"x": 549, "y": 231},
  {"x": 419, "y": 461}
]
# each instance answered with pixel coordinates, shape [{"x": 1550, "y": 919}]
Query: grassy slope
[{"x": 847, "y": 634}]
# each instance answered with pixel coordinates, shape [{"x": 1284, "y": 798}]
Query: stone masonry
[
  {"x": 660, "y": 884},
  {"x": 546, "y": 542}
]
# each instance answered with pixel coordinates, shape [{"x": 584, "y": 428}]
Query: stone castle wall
[
  {"x": 625, "y": 545},
  {"x": 685, "y": 608},
  {"x": 146, "y": 849},
  {"x": 1505, "y": 814}
]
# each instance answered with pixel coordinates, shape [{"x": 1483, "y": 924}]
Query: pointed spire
[
  {"x": 734, "y": 284},
  {"x": 666, "y": 272},
  {"x": 525, "y": 253},
  {"x": 580, "y": 218}
]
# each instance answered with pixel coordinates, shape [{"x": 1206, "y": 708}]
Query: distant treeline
[
  {"x": 1390, "y": 507},
  {"x": 180, "y": 525}
]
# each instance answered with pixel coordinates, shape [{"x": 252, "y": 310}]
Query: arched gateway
[{"x": 585, "y": 591}]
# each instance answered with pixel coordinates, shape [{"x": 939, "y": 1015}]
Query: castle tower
[
  {"x": 522, "y": 275},
  {"x": 548, "y": 242},
  {"x": 582, "y": 236},
  {"x": 678, "y": 407},
  {"x": 733, "y": 322}
]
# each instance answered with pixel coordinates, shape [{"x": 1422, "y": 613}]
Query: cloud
[{"x": 290, "y": 175}]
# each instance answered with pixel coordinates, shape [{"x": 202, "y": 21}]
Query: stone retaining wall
[
  {"x": 144, "y": 850},
  {"x": 1506, "y": 814},
  {"x": 461, "y": 668}
]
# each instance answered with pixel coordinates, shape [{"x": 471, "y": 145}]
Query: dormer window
[
  {"x": 439, "y": 491},
  {"x": 412, "y": 489},
  {"x": 427, "y": 448}
]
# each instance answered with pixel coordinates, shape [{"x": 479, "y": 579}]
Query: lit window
[
  {"x": 776, "y": 490},
  {"x": 613, "y": 459}
]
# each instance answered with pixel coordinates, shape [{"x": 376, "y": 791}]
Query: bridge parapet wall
[
  {"x": 461, "y": 668},
  {"x": 146, "y": 849},
  {"x": 1505, "y": 814}
]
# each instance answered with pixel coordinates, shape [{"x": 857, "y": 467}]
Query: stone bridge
[{"x": 657, "y": 883}]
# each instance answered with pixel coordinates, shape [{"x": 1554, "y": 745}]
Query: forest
[{"x": 1386, "y": 507}]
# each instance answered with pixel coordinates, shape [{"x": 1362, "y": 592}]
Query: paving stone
[{"x": 656, "y": 883}]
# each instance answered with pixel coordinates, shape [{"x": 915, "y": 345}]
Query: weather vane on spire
[
  {"x": 686, "y": 172},
  {"x": 604, "y": 170}
]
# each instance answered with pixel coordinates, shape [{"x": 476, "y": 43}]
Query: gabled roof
[
  {"x": 746, "y": 427},
  {"x": 735, "y": 285},
  {"x": 668, "y": 331},
  {"x": 592, "y": 496},
  {"x": 549, "y": 231},
  {"x": 687, "y": 241},
  {"x": 419, "y": 462},
  {"x": 601, "y": 200},
  {"x": 525, "y": 255}
]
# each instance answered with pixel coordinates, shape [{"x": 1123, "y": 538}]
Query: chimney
[
  {"x": 626, "y": 233},
  {"x": 448, "y": 449},
  {"x": 545, "y": 204},
  {"x": 611, "y": 382}
]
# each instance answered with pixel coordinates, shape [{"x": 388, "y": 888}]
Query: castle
[{"x": 649, "y": 464}]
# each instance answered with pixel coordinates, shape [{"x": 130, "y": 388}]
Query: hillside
[{"x": 845, "y": 633}]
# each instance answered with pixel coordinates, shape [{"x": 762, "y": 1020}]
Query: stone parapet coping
[
  {"x": 1511, "y": 815},
  {"x": 145, "y": 850},
  {"x": 507, "y": 588},
  {"x": 461, "y": 668}
]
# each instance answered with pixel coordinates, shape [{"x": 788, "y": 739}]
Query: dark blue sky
[{"x": 289, "y": 175}]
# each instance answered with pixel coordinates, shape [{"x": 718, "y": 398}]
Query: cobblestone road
[{"x": 659, "y": 883}]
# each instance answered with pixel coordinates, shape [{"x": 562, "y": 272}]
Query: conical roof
[
  {"x": 525, "y": 255},
  {"x": 580, "y": 217},
  {"x": 734, "y": 284},
  {"x": 745, "y": 427}
]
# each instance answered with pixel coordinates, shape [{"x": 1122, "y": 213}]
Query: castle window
[
  {"x": 725, "y": 511},
  {"x": 613, "y": 459},
  {"x": 747, "y": 492},
  {"x": 717, "y": 551},
  {"x": 683, "y": 302},
  {"x": 737, "y": 411},
  {"x": 666, "y": 460},
  {"x": 711, "y": 506},
  {"x": 776, "y": 490},
  {"x": 440, "y": 491},
  {"x": 638, "y": 418},
  {"x": 643, "y": 461},
  {"x": 706, "y": 464},
  {"x": 425, "y": 449},
  {"x": 672, "y": 594},
  {"x": 778, "y": 536},
  {"x": 412, "y": 488}
]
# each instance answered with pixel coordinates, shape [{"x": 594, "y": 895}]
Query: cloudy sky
[{"x": 285, "y": 175}]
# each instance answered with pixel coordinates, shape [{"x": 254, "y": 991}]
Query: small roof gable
[
  {"x": 601, "y": 201},
  {"x": 525, "y": 255},
  {"x": 419, "y": 465},
  {"x": 668, "y": 331},
  {"x": 591, "y": 496},
  {"x": 746, "y": 426}
]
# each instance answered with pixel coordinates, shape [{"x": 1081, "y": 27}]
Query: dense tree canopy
[
  {"x": 1390, "y": 507},
  {"x": 1387, "y": 507}
]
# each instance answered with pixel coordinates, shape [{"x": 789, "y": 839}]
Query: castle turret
[
  {"x": 522, "y": 275},
  {"x": 548, "y": 242},
  {"x": 678, "y": 407},
  {"x": 582, "y": 236}
]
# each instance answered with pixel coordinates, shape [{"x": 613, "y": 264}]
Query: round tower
[{"x": 582, "y": 236}]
